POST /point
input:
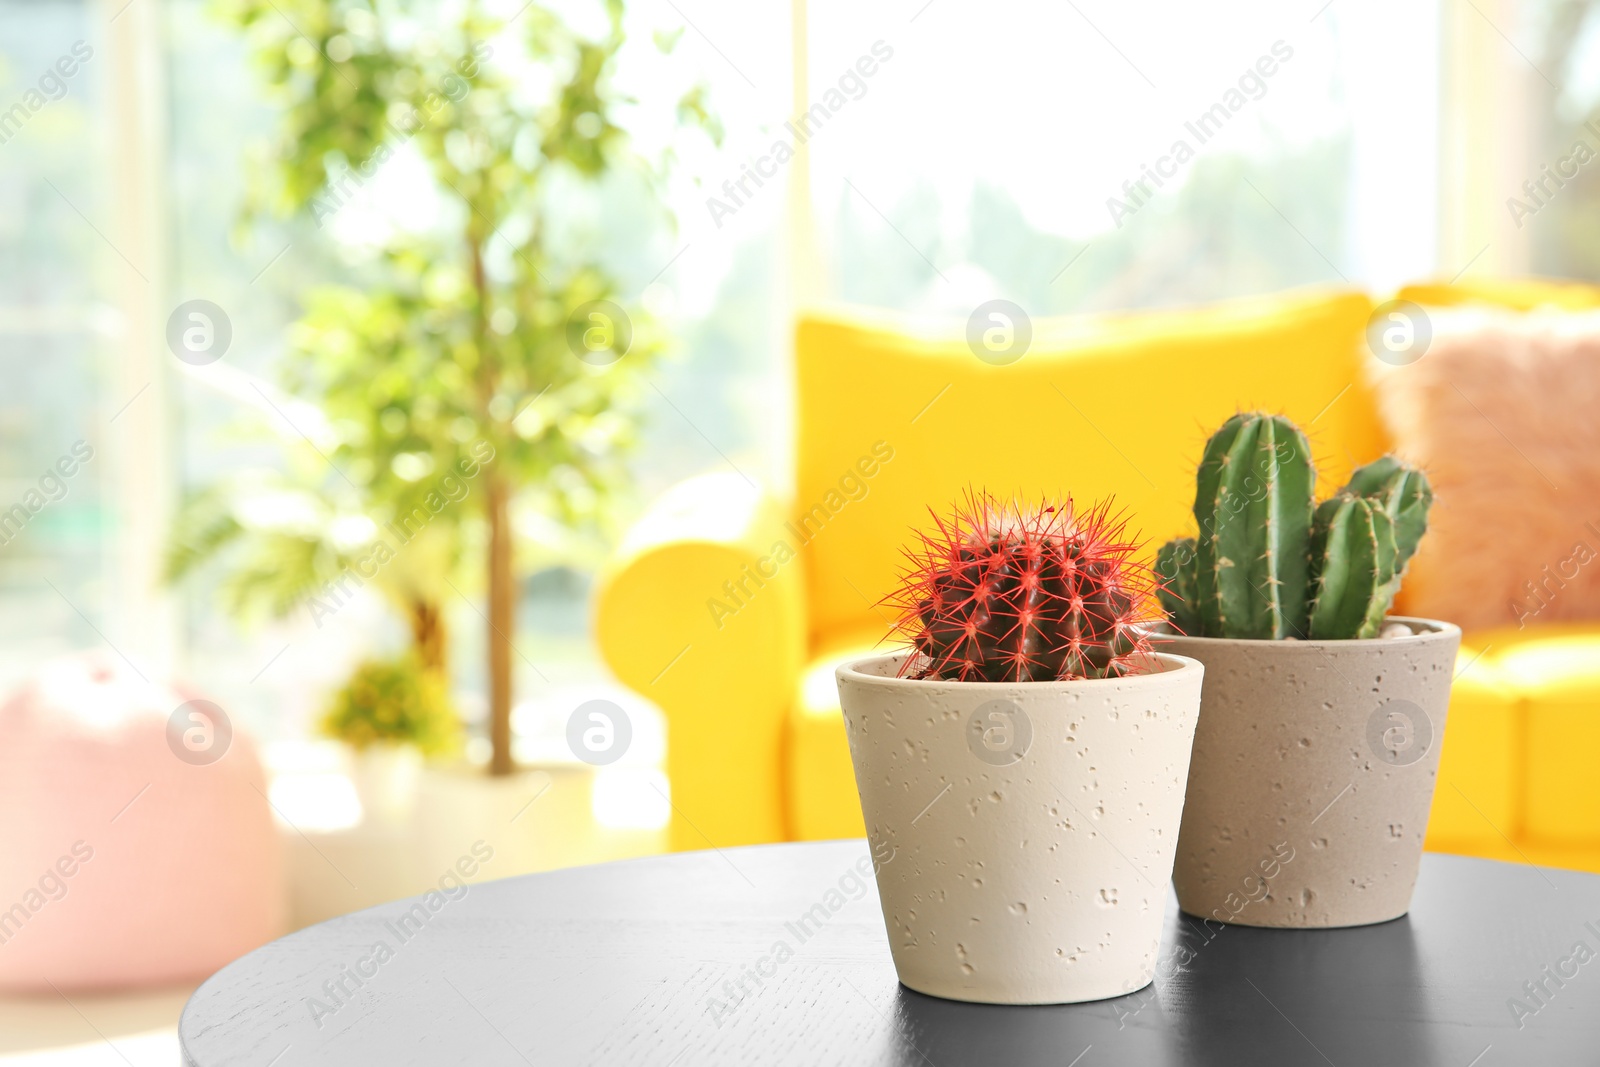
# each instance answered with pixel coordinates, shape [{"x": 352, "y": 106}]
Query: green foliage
[
  {"x": 465, "y": 337},
  {"x": 395, "y": 701},
  {"x": 287, "y": 539},
  {"x": 1265, "y": 566},
  {"x": 454, "y": 346},
  {"x": 279, "y": 536}
]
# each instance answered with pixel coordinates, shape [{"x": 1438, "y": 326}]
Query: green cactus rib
[
  {"x": 1383, "y": 529},
  {"x": 1253, "y": 505},
  {"x": 1405, "y": 494},
  {"x": 1208, "y": 491},
  {"x": 1177, "y": 570},
  {"x": 1353, "y": 558}
]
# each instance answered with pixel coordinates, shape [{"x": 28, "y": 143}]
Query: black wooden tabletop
[{"x": 699, "y": 958}]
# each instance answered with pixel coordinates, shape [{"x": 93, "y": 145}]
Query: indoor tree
[{"x": 486, "y": 334}]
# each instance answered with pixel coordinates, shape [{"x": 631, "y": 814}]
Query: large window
[
  {"x": 1074, "y": 157},
  {"x": 1559, "y": 206},
  {"x": 58, "y": 325}
]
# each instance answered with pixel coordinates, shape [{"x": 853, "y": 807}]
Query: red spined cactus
[{"x": 997, "y": 593}]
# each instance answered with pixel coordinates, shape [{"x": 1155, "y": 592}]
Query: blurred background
[{"x": 284, "y": 281}]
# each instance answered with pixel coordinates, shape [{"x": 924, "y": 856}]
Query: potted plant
[
  {"x": 1021, "y": 765},
  {"x": 471, "y": 371},
  {"x": 1317, "y": 748},
  {"x": 391, "y": 713}
]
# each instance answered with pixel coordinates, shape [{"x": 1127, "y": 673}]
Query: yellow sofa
[{"x": 729, "y": 604}]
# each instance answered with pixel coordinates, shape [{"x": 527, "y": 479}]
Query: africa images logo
[{"x": 1399, "y": 732}]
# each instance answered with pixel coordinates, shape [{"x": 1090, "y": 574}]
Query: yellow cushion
[
  {"x": 1099, "y": 405},
  {"x": 1518, "y": 294},
  {"x": 820, "y": 783},
  {"x": 1555, "y": 669},
  {"x": 1476, "y": 798}
]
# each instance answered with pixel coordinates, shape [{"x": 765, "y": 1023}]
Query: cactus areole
[
  {"x": 998, "y": 593},
  {"x": 1266, "y": 564}
]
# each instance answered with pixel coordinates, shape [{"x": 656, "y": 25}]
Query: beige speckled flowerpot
[
  {"x": 1313, "y": 772},
  {"x": 1024, "y": 832}
]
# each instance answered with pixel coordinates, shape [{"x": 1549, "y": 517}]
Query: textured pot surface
[
  {"x": 1024, "y": 832},
  {"x": 1313, "y": 773}
]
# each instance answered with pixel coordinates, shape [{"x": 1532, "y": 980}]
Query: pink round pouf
[{"x": 137, "y": 846}]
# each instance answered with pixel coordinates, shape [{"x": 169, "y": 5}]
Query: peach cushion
[
  {"x": 122, "y": 864},
  {"x": 1500, "y": 411}
]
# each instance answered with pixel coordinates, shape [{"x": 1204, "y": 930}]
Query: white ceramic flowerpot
[
  {"x": 1313, "y": 773},
  {"x": 385, "y": 776},
  {"x": 1024, "y": 832}
]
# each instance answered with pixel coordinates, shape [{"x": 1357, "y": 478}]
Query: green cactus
[
  {"x": 1405, "y": 494},
  {"x": 1175, "y": 566},
  {"x": 1353, "y": 555},
  {"x": 1268, "y": 566},
  {"x": 1253, "y": 504},
  {"x": 1000, "y": 593}
]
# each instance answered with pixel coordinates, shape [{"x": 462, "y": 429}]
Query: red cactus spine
[{"x": 1001, "y": 594}]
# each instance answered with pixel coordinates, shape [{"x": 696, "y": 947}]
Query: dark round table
[{"x": 700, "y": 958}]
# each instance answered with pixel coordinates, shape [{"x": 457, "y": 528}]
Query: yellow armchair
[
  {"x": 728, "y": 608},
  {"x": 725, "y": 680}
]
